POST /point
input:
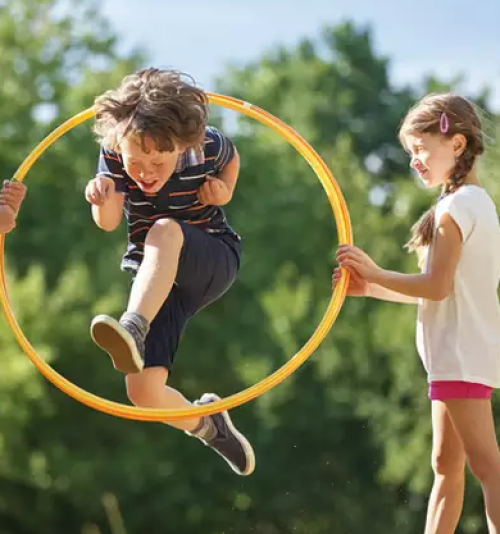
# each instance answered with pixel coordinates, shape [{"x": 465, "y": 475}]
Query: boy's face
[{"x": 149, "y": 168}]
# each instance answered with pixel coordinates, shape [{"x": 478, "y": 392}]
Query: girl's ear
[{"x": 459, "y": 144}]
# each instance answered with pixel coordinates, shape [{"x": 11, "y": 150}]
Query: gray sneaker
[
  {"x": 124, "y": 346},
  {"x": 228, "y": 442}
]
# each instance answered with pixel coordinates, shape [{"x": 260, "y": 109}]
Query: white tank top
[{"x": 458, "y": 338}]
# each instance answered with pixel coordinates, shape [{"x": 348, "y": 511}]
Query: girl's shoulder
[
  {"x": 470, "y": 197},
  {"x": 469, "y": 206}
]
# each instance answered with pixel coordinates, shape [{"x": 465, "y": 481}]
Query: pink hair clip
[{"x": 444, "y": 123}]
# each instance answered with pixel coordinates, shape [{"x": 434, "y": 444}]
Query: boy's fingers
[
  {"x": 205, "y": 193},
  {"x": 214, "y": 186},
  {"x": 94, "y": 195},
  {"x": 100, "y": 187}
]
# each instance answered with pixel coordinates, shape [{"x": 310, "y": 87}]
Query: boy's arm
[
  {"x": 106, "y": 192},
  {"x": 108, "y": 215},
  {"x": 230, "y": 171},
  {"x": 219, "y": 190}
]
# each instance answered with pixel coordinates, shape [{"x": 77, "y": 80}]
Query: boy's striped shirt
[{"x": 178, "y": 198}]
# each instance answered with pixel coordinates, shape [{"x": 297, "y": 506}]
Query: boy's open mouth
[{"x": 147, "y": 186}]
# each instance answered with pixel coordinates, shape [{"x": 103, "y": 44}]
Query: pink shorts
[{"x": 456, "y": 389}]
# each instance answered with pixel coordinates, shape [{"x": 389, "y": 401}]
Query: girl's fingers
[
  {"x": 354, "y": 254},
  {"x": 352, "y": 259},
  {"x": 350, "y": 251},
  {"x": 350, "y": 265},
  {"x": 345, "y": 254}
]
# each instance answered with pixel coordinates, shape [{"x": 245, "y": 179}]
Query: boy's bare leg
[
  {"x": 148, "y": 390},
  {"x": 158, "y": 270},
  {"x": 124, "y": 340}
]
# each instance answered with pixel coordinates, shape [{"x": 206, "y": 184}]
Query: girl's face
[
  {"x": 433, "y": 157},
  {"x": 149, "y": 169}
]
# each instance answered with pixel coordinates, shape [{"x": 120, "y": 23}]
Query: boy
[
  {"x": 11, "y": 198},
  {"x": 170, "y": 172}
]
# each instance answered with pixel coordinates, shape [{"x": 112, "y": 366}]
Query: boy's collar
[{"x": 191, "y": 157}]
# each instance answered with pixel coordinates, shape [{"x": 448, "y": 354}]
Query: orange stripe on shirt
[
  {"x": 145, "y": 217},
  {"x": 106, "y": 156},
  {"x": 183, "y": 193},
  {"x": 139, "y": 230},
  {"x": 197, "y": 222},
  {"x": 193, "y": 208}
]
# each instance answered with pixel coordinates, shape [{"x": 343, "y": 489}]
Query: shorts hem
[{"x": 458, "y": 389}]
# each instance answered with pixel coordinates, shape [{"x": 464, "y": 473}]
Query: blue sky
[{"x": 202, "y": 36}]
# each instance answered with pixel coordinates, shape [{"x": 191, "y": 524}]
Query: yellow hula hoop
[{"x": 344, "y": 232}]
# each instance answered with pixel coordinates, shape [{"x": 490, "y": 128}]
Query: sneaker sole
[
  {"x": 110, "y": 335},
  {"x": 247, "y": 447}
]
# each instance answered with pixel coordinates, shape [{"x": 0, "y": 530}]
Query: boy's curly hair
[{"x": 162, "y": 105}]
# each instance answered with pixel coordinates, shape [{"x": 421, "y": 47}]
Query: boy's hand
[
  {"x": 99, "y": 190},
  {"x": 214, "y": 192},
  {"x": 12, "y": 195}
]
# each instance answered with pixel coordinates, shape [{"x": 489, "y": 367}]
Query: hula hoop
[{"x": 124, "y": 411}]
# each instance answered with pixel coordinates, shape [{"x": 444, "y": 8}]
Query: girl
[
  {"x": 458, "y": 327},
  {"x": 11, "y": 198}
]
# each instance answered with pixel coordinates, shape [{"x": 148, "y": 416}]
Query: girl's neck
[{"x": 471, "y": 179}]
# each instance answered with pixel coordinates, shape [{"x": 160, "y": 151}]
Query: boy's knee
[
  {"x": 138, "y": 394},
  {"x": 165, "y": 231},
  {"x": 143, "y": 389}
]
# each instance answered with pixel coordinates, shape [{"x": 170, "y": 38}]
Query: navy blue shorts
[{"x": 208, "y": 266}]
